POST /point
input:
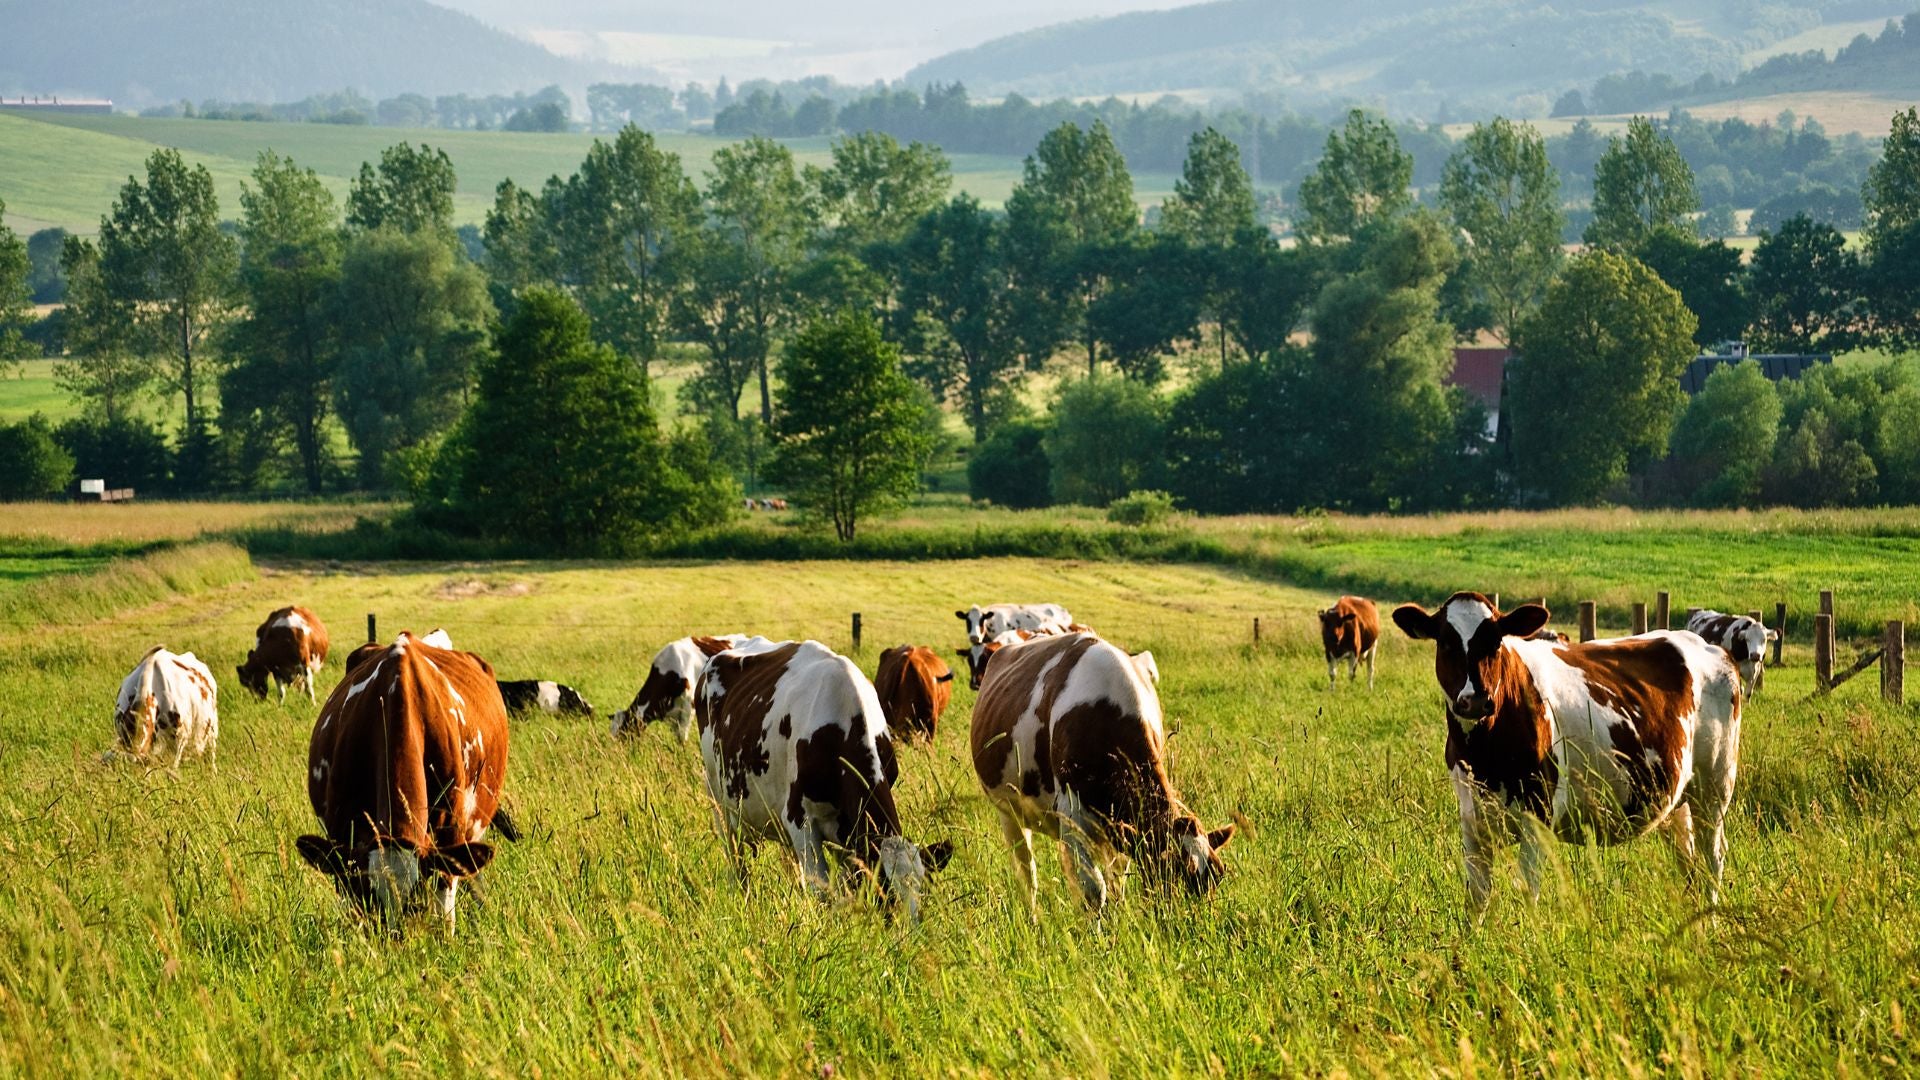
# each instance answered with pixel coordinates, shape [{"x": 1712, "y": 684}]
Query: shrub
[
  {"x": 32, "y": 465},
  {"x": 126, "y": 453},
  {"x": 1108, "y": 438},
  {"x": 1141, "y": 508},
  {"x": 1010, "y": 468}
]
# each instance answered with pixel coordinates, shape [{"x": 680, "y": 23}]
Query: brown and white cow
[
  {"x": 915, "y": 686},
  {"x": 404, "y": 771},
  {"x": 1607, "y": 739},
  {"x": 168, "y": 708},
  {"x": 290, "y": 647},
  {"x": 797, "y": 751},
  {"x": 1068, "y": 739},
  {"x": 992, "y": 620},
  {"x": 667, "y": 692},
  {"x": 1743, "y": 638},
  {"x": 1350, "y": 631}
]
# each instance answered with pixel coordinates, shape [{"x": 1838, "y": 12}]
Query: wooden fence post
[
  {"x": 1256, "y": 630},
  {"x": 1639, "y": 616},
  {"x": 1587, "y": 630},
  {"x": 856, "y": 631},
  {"x": 1893, "y": 666},
  {"x": 1823, "y": 650},
  {"x": 1779, "y": 630},
  {"x": 1496, "y": 601},
  {"x": 1826, "y": 601},
  {"x": 1663, "y": 610},
  {"x": 372, "y": 634}
]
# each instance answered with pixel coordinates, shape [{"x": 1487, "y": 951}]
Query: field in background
[{"x": 615, "y": 938}]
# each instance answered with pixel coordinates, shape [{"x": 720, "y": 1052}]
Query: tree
[
  {"x": 520, "y": 245},
  {"x": 1156, "y": 296},
  {"x": 164, "y": 256},
  {"x": 1010, "y": 468},
  {"x": 411, "y": 190},
  {"x": 757, "y": 203},
  {"x": 1805, "y": 285},
  {"x": 715, "y": 306},
  {"x": 32, "y": 465},
  {"x": 1595, "y": 389},
  {"x": 849, "y": 435},
  {"x": 412, "y": 317},
  {"x": 561, "y": 447},
  {"x": 875, "y": 190},
  {"x": 1708, "y": 277},
  {"x": 1642, "y": 183},
  {"x": 106, "y": 368},
  {"x": 957, "y": 282},
  {"x": 1212, "y": 212},
  {"x": 1362, "y": 175},
  {"x": 1222, "y": 451},
  {"x": 47, "y": 282},
  {"x": 1265, "y": 293},
  {"x": 15, "y": 297},
  {"x": 1074, "y": 202},
  {"x": 1725, "y": 439},
  {"x": 1108, "y": 439},
  {"x": 1504, "y": 196},
  {"x": 287, "y": 341},
  {"x": 1892, "y": 272},
  {"x": 125, "y": 453},
  {"x": 1892, "y": 192}
]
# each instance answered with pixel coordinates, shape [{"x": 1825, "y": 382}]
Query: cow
[
  {"x": 1068, "y": 739},
  {"x": 1744, "y": 639},
  {"x": 667, "y": 692},
  {"x": 797, "y": 751},
  {"x": 545, "y": 695},
  {"x": 979, "y": 654},
  {"x": 404, "y": 771},
  {"x": 291, "y": 648},
  {"x": 1608, "y": 739},
  {"x": 915, "y": 686},
  {"x": 985, "y": 623},
  {"x": 168, "y": 709},
  {"x": 1350, "y": 630}
]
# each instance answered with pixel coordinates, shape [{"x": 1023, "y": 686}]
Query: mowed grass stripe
[{"x": 159, "y": 922}]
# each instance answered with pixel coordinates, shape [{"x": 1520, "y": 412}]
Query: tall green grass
[{"x": 75, "y": 599}]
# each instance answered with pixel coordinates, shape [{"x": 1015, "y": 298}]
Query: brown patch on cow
[
  {"x": 1005, "y": 693},
  {"x": 1350, "y": 627},
  {"x": 831, "y": 768},
  {"x": 738, "y": 718},
  {"x": 711, "y": 646},
  {"x": 915, "y": 686},
  {"x": 1649, "y": 684},
  {"x": 283, "y": 652},
  {"x": 1511, "y": 752},
  {"x": 1113, "y": 764}
]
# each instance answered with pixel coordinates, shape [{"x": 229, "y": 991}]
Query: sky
[{"x": 853, "y": 40}]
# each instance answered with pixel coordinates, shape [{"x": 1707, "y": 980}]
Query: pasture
[{"x": 165, "y": 925}]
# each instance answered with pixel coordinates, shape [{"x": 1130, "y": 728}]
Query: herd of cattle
[{"x": 1602, "y": 740}]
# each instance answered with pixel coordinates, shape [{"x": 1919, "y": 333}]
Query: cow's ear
[
  {"x": 948, "y": 677},
  {"x": 1415, "y": 622},
  {"x": 961, "y": 615},
  {"x": 460, "y": 860},
  {"x": 1773, "y": 635},
  {"x": 323, "y": 854},
  {"x": 936, "y": 856},
  {"x": 1218, "y": 838},
  {"x": 1523, "y": 621}
]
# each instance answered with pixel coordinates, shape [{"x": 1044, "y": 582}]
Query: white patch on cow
[
  {"x": 318, "y": 773},
  {"x": 548, "y": 696},
  {"x": 371, "y": 675},
  {"x": 1466, "y": 618},
  {"x": 438, "y": 639},
  {"x": 179, "y": 688},
  {"x": 469, "y": 802}
]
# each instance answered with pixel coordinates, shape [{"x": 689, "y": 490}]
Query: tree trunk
[
  {"x": 186, "y": 364},
  {"x": 766, "y": 395},
  {"x": 1093, "y": 355}
]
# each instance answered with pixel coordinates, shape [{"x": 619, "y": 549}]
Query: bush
[
  {"x": 1108, "y": 439},
  {"x": 32, "y": 465},
  {"x": 126, "y": 453},
  {"x": 1010, "y": 468},
  {"x": 1141, "y": 508},
  {"x": 1725, "y": 438}
]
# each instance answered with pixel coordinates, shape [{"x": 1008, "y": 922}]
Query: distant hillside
[
  {"x": 143, "y": 52},
  {"x": 1888, "y": 63},
  {"x": 1412, "y": 57}
]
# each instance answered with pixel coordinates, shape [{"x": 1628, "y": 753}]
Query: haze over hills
[{"x": 143, "y": 52}]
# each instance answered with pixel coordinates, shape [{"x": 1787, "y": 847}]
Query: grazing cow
[
  {"x": 1743, "y": 638},
  {"x": 1606, "y": 738},
  {"x": 543, "y": 694},
  {"x": 797, "y": 751},
  {"x": 290, "y": 647},
  {"x": 667, "y": 693},
  {"x": 168, "y": 708},
  {"x": 979, "y": 654},
  {"x": 986, "y": 623},
  {"x": 1067, "y": 738},
  {"x": 914, "y": 685},
  {"x": 1350, "y": 630},
  {"x": 404, "y": 772}
]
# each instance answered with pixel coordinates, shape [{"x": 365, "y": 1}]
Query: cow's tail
[{"x": 504, "y": 822}]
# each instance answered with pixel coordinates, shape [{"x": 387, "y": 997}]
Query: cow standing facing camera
[{"x": 1350, "y": 631}]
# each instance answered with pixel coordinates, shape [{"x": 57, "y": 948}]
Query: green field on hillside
[{"x": 67, "y": 170}]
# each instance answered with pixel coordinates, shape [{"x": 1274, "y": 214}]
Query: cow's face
[
  {"x": 974, "y": 618},
  {"x": 1747, "y": 644},
  {"x": 1467, "y": 634},
  {"x": 906, "y": 868},
  {"x": 389, "y": 879},
  {"x": 135, "y": 726},
  {"x": 253, "y": 676},
  {"x": 1196, "y": 854},
  {"x": 666, "y": 695}
]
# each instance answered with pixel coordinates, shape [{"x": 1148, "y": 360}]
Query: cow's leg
[
  {"x": 739, "y": 850},
  {"x": 1476, "y": 841},
  {"x": 1333, "y": 683},
  {"x": 445, "y": 889},
  {"x": 1370, "y": 652},
  {"x": 1706, "y": 805},
  {"x": 1679, "y": 830},
  {"x": 1353, "y": 668},
  {"x": 816, "y": 874},
  {"x": 1534, "y": 840},
  {"x": 280, "y": 685},
  {"x": 1078, "y": 852},
  {"x": 1020, "y": 843}
]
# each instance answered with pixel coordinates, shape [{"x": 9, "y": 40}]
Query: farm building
[{"x": 55, "y": 104}]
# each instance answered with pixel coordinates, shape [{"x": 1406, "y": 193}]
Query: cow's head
[
  {"x": 974, "y": 618},
  {"x": 389, "y": 878},
  {"x": 135, "y": 725},
  {"x": 905, "y": 869},
  {"x": 1186, "y": 853},
  {"x": 253, "y": 676},
  {"x": 667, "y": 693},
  {"x": 1747, "y": 644},
  {"x": 1334, "y": 624},
  {"x": 1467, "y": 633}
]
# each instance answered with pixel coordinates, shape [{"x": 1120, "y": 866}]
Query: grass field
[
  {"x": 161, "y": 925},
  {"x": 67, "y": 170}
]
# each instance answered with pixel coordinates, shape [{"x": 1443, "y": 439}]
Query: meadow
[{"x": 162, "y": 925}]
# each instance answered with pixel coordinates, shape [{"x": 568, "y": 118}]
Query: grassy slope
[
  {"x": 67, "y": 170},
  {"x": 614, "y": 939}
]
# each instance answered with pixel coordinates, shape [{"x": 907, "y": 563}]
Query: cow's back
[
  {"x": 1355, "y": 636},
  {"x": 169, "y": 700},
  {"x": 914, "y": 686},
  {"x": 291, "y": 639}
]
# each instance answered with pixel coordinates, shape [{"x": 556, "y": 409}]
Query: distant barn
[
  {"x": 58, "y": 105},
  {"x": 1775, "y": 366}
]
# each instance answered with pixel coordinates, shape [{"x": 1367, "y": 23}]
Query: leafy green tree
[
  {"x": 875, "y": 190},
  {"x": 561, "y": 447},
  {"x": 1892, "y": 193},
  {"x": 1725, "y": 439},
  {"x": 1265, "y": 293},
  {"x": 718, "y": 305},
  {"x": 106, "y": 369},
  {"x": 757, "y": 204},
  {"x": 1224, "y": 453},
  {"x": 1504, "y": 196},
  {"x": 15, "y": 297},
  {"x": 412, "y": 315},
  {"x": 1805, "y": 285},
  {"x": 1595, "y": 389},
  {"x": 1642, "y": 183},
  {"x": 850, "y": 435},
  {"x": 1156, "y": 296},
  {"x": 1108, "y": 439},
  {"x": 1073, "y": 204},
  {"x": 287, "y": 341},
  {"x": 1897, "y": 443},
  {"x": 518, "y": 239},
  {"x": 1212, "y": 212},
  {"x": 1708, "y": 277},
  {"x": 1010, "y": 468},
  {"x": 1363, "y": 175},
  {"x": 411, "y": 190},
  {"x": 957, "y": 283},
  {"x": 46, "y": 281},
  {"x": 32, "y": 464},
  {"x": 1892, "y": 272}
]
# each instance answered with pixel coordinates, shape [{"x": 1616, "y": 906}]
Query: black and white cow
[
  {"x": 559, "y": 699},
  {"x": 667, "y": 693},
  {"x": 1743, "y": 638},
  {"x": 986, "y": 623}
]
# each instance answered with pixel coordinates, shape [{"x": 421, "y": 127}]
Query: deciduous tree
[
  {"x": 1363, "y": 175},
  {"x": 1504, "y": 197},
  {"x": 757, "y": 204},
  {"x": 1073, "y": 204},
  {"x": 1642, "y": 183},
  {"x": 411, "y": 190},
  {"x": 1805, "y": 285}
]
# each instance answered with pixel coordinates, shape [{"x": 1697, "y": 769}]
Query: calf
[
  {"x": 1744, "y": 639},
  {"x": 914, "y": 685},
  {"x": 1607, "y": 739},
  {"x": 667, "y": 693},
  {"x": 168, "y": 708},
  {"x": 290, "y": 647},
  {"x": 984, "y": 623},
  {"x": 1067, "y": 738},
  {"x": 797, "y": 750},
  {"x": 545, "y": 695},
  {"x": 1350, "y": 630},
  {"x": 404, "y": 771}
]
